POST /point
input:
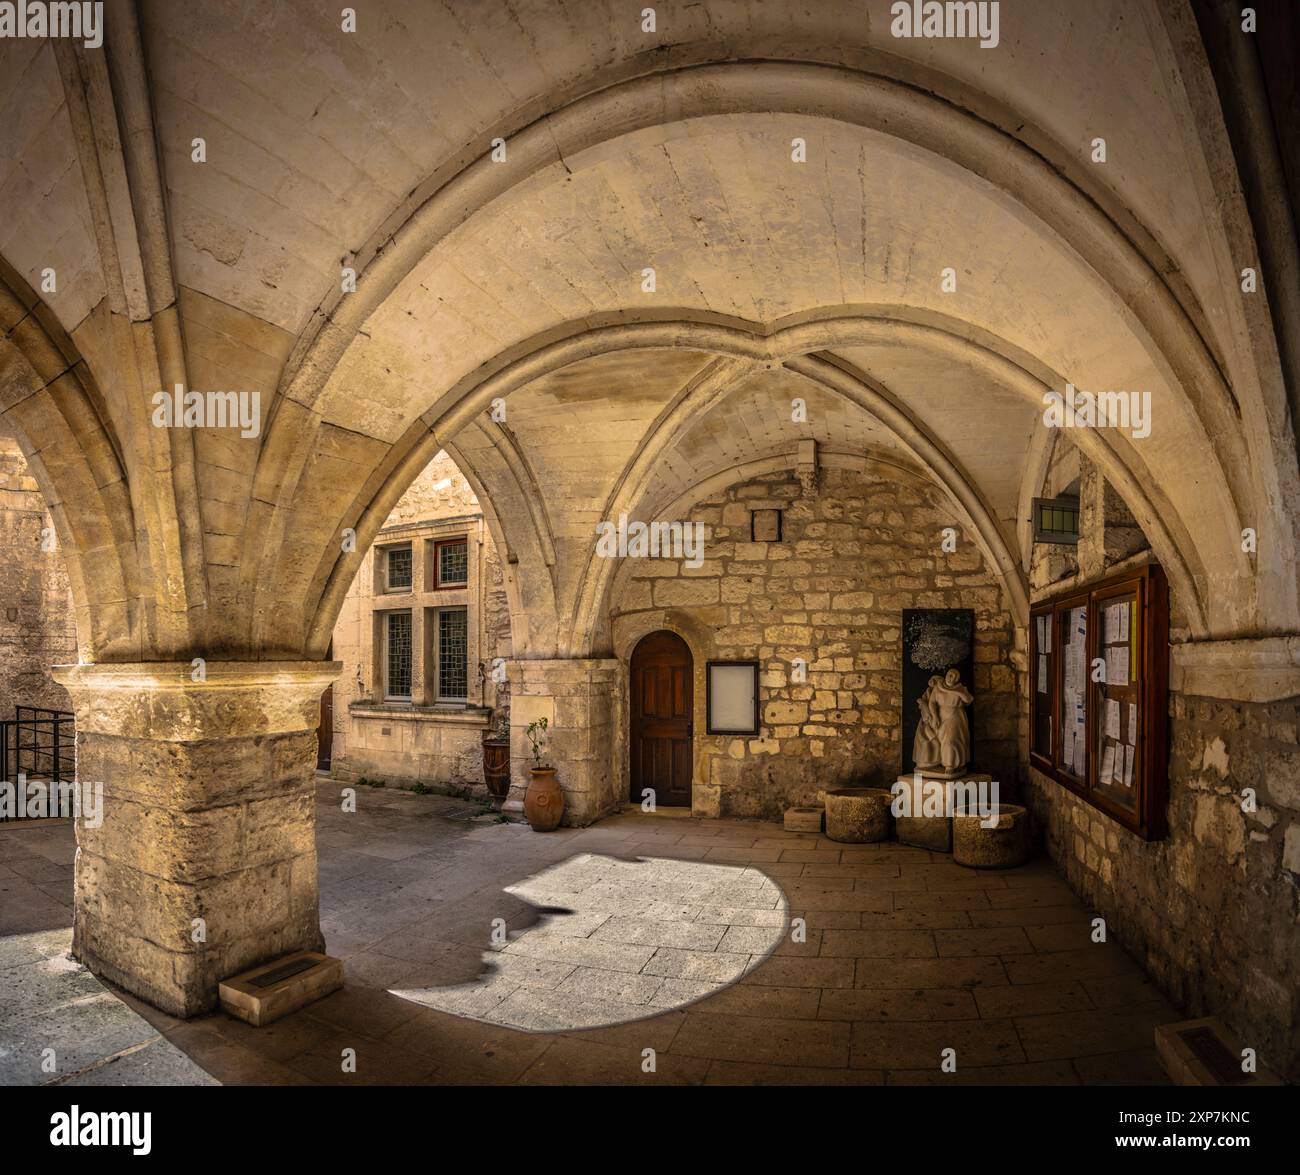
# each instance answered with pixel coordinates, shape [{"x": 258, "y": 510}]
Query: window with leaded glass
[
  {"x": 451, "y": 563},
  {"x": 397, "y": 655},
  {"x": 397, "y": 569},
  {"x": 452, "y": 654}
]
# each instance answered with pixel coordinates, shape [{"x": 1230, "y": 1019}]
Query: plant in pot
[
  {"x": 543, "y": 801},
  {"x": 496, "y": 759}
]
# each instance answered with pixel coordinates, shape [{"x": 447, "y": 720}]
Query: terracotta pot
[
  {"x": 496, "y": 769},
  {"x": 543, "y": 801}
]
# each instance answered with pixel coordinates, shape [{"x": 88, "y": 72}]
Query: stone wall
[
  {"x": 1212, "y": 911},
  {"x": 852, "y": 556},
  {"x": 37, "y": 625}
]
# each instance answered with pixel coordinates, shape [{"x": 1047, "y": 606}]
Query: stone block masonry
[
  {"x": 37, "y": 629},
  {"x": 205, "y": 863},
  {"x": 1211, "y": 911},
  {"x": 831, "y": 593}
]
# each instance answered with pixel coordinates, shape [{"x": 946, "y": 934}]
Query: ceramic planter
[
  {"x": 496, "y": 769},
  {"x": 543, "y": 801}
]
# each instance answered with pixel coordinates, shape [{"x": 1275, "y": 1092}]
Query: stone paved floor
[
  {"x": 906, "y": 955},
  {"x": 48, "y": 1002}
]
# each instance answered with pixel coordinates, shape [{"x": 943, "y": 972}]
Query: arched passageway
[{"x": 739, "y": 266}]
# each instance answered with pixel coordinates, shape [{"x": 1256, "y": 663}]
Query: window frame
[
  {"x": 386, "y": 569},
  {"x": 434, "y": 625},
  {"x": 438, "y": 584},
  {"x": 1055, "y": 537},
  {"x": 385, "y": 653}
]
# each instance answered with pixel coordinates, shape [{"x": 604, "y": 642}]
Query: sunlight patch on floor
[{"x": 620, "y": 940}]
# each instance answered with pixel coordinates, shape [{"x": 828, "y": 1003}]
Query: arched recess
[
  {"x": 1096, "y": 228},
  {"x": 51, "y": 403},
  {"x": 850, "y": 386},
  {"x": 804, "y": 343},
  {"x": 753, "y": 345},
  {"x": 627, "y": 633},
  {"x": 894, "y": 466},
  {"x": 845, "y": 326}
]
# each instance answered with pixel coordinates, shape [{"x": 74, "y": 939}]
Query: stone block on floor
[{"x": 266, "y": 993}]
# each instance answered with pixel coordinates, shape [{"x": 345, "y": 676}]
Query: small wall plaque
[{"x": 765, "y": 526}]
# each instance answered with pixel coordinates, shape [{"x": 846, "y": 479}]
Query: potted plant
[
  {"x": 496, "y": 759},
  {"x": 543, "y": 801}
]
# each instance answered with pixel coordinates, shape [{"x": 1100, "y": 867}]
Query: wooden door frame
[{"x": 692, "y": 662}]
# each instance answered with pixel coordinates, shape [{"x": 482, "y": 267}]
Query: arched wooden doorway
[{"x": 663, "y": 692}]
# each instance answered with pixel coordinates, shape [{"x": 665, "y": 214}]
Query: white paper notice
[
  {"x": 1112, "y": 719},
  {"x": 1123, "y": 620},
  {"x": 1042, "y": 673},
  {"x": 1133, "y": 723},
  {"x": 1128, "y": 766},
  {"x": 1117, "y": 665},
  {"x": 1107, "y": 772},
  {"x": 1046, "y": 643},
  {"x": 1067, "y": 751},
  {"x": 1041, "y": 629},
  {"x": 1080, "y": 758}
]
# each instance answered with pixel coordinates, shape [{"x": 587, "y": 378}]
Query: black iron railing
[{"x": 39, "y": 743}]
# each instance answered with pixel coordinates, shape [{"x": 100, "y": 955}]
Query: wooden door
[{"x": 663, "y": 691}]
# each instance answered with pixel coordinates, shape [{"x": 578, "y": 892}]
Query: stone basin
[
  {"x": 1003, "y": 845},
  {"x": 858, "y": 815}
]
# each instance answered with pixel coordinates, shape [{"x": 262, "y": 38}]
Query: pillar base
[{"x": 202, "y": 861}]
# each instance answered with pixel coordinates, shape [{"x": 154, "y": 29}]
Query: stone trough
[
  {"x": 858, "y": 815},
  {"x": 1002, "y": 845}
]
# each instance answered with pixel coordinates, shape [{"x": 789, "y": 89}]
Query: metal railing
[{"x": 39, "y": 743}]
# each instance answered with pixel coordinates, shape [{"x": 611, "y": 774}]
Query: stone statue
[
  {"x": 949, "y": 700},
  {"x": 925, "y": 746},
  {"x": 941, "y": 748}
]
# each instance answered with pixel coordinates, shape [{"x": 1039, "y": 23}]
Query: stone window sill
[{"x": 477, "y": 716}]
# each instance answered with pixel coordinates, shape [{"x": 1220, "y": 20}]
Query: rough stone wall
[
  {"x": 440, "y": 491},
  {"x": 832, "y": 592},
  {"x": 37, "y": 624},
  {"x": 1211, "y": 911}
]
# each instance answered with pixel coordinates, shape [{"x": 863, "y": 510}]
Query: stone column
[
  {"x": 580, "y": 700},
  {"x": 205, "y": 861}
]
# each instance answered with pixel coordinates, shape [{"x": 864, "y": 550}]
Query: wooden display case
[{"x": 1099, "y": 696}]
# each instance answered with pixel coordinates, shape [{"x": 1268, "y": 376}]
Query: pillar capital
[{"x": 162, "y": 701}]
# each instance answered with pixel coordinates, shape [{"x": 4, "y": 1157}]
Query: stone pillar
[
  {"x": 208, "y": 814},
  {"x": 580, "y": 699}
]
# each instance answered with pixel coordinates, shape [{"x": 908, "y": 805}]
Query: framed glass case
[{"x": 1099, "y": 708}]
